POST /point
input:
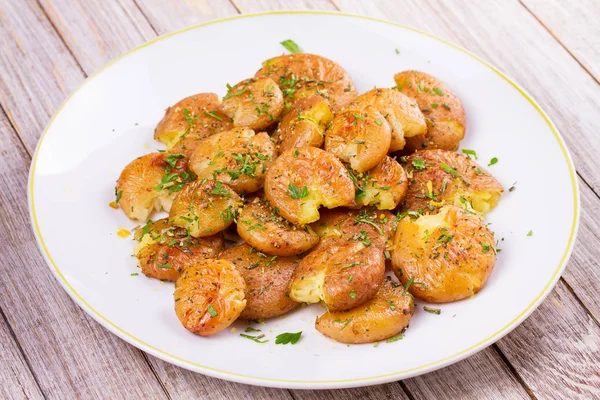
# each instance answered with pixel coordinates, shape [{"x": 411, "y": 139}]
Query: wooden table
[{"x": 51, "y": 348}]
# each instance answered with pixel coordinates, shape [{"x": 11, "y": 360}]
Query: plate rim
[{"x": 308, "y": 384}]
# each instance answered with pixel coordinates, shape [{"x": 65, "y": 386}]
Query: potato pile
[{"x": 294, "y": 189}]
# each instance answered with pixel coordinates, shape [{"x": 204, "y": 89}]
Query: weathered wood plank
[
  {"x": 251, "y": 6},
  {"x": 17, "y": 380},
  {"x": 388, "y": 391},
  {"x": 557, "y": 350},
  {"x": 575, "y": 25},
  {"x": 169, "y": 16}
]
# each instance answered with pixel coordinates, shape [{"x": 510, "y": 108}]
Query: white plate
[{"x": 110, "y": 119}]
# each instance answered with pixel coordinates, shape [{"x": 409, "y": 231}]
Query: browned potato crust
[
  {"x": 342, "y": 273},
  {"x": 302, "y": 180},
  {"x": 305, "y": 124},
  {"x": 165, "y": 251},
  {"x": 237, "y": 157},
  {"x": 150, "y": 183},
  {"x": 401, "y": 113},
  {"x": 267, "y": 281},
  {"x": 360, "y": 137},
  {"x": 449, "y": 255},
  {"x": 300, "y": 75},
  {"x": 254, "y": 103},
  {"x": 192, "y": 119},
  {"x": 366, "y": 225},
  {"x": 384, "y": 186},
  {"x": 454, "y": 178},
  {"x": 204, "y": 208},
  {"x": 209, "y": 296},
  {"x": 444, "y": 113},
  {"x": 270, "y": 233},
  {"x": 383, "y": 317}
]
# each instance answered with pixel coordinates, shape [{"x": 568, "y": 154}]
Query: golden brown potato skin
[
  {"x": 267, "y": 281},
  {"x": 238, "y": 157},
  {"x": 139, "y": 187},
  {"x": 204, "y": 208},
  {"x": 383, "y": 317},
  {"x": 166, "y": 251},
  {"x": 190, "y": 120},
  {"x": 300, "y": 75},
  {"x": 270, "y": 233},
  {"x": 478, "y": 189},
  {"x": 305, "y": 124},
  {"x": 350, "y": 271},
  {"x": 209, "y": 285},
  {"x": 254, "y": 103},
  {"x": 325, "y": 178},
  {"x": 360, "y": 137},
  {"x": 379, "y": 226},
  {"x": 383, "y": 186},
  {"x": 402, "y": 113},
  {"x": 444, "y": 113},
  {"x": 449, "y": 255}
]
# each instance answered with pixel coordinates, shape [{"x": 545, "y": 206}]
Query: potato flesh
[
  {"x": 254, "y": 103},
  {"x": 204, "y": 208},
  {"x": 384, "y": 186},
  {"x": 209, "y": 296},
  {"x": 238, "y": 157},
  {"x": 302, "y": 180},
  {"x": 449, "y": 255},
  {"x": 360, "y": 137}
]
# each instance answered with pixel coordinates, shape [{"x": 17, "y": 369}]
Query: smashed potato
[
  {"x": 447, "y": 256},
  {"x": 204, "y": 208},
  {"x": 266, "y": 231},
  {"x": 209, "y": 296},
  {"x": 190, "y": 120},
  {"x": 302, "y": 180},
  {"x": 254, "y": 103},
  {"x": 383, "y": 317},
  {"x": 301, "y": 75},
  {"x": 402, "y": 113},
  {"x": 305, "y": 124},
  {"x": 443, "y": 111},
  {"x": 383, "y": 187},
  {"x": 165, "y": 251},
  {"x": 359, "y": 137},
  {"x": 150, "y": 183},
  {"x": 341, "y": 273},
  {"x": 237, "y": 157},
  {"x": 267, "y": 281},
  {"x": 439, "y": 177}
]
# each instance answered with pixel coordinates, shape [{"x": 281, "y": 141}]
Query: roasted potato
[
  {"x": 237, "y": 157},
  {"x": 165, "y": 251},
  {"x": 402, "y": 114},
  {"x": 254, "y": 103},
  {"x": 305, "y": 124},
  {"x": 383, "y": 187},
  {"x": 448, "y": 256},
  {"x": 383, "y": 317},
  {"x": 443, "y": 111},
  {"x": 366, "y": 225},
  {"x": 438, "y": 177},
  {"x": 302, "y": 180},
  {"x": 267, "y": 231},
  {"x": 209, "y": 296},
  {"x": 342, "y": 273},
  {"x": 204, "y": 208},
  {"x": 360, "y": 137},
  {"x": 192, "y": 119},
  {"x": 301, "y": 75},
  {"x": 267, "y": 281},
  {"x": 150, "y": 183}
]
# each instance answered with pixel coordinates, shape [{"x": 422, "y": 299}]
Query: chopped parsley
[
  {"x": 352, "y": 294},
  {"x": 218, "y": 190},
  {"x": 118, "y": 196},
  {"x": 493, "y": 161},
  {"x": 287, "y": 338},
  {"x": 453, "y": 172},
  {"x": 530, "y": 233},
  {"x": 297, "y": 193},
  {"x": 470, "y": 153},
  {"x": 291, "y": 46},
  {"x": 431, "y": 310},
  {"x": 254, "y": 338},
  {"x": 213, "y": 114},
  {"x": 400, "y": 336},
  {"x": 438, "y": 91},
  {"x": 165, "y": 266},
  {"x": 363, "y": 237},
  {"x": 211, "y": 310},
  {"x": 391, "y": 303},
  {"x": 418, "y": 164},
  {"x": 397, "y": 51}
]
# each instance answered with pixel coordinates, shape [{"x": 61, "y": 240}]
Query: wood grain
[
  {"x": 251, "y": 6},
  {"x": 16, "y": 379},
  {"x": 575, "y": 25}
]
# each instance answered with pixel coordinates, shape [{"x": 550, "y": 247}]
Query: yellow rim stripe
[{"x": 248, "y": 379}]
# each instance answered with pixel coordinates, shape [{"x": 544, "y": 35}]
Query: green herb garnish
[
  {"x": 291, "y": 46},
  {"x": 285, "y": 338}
]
